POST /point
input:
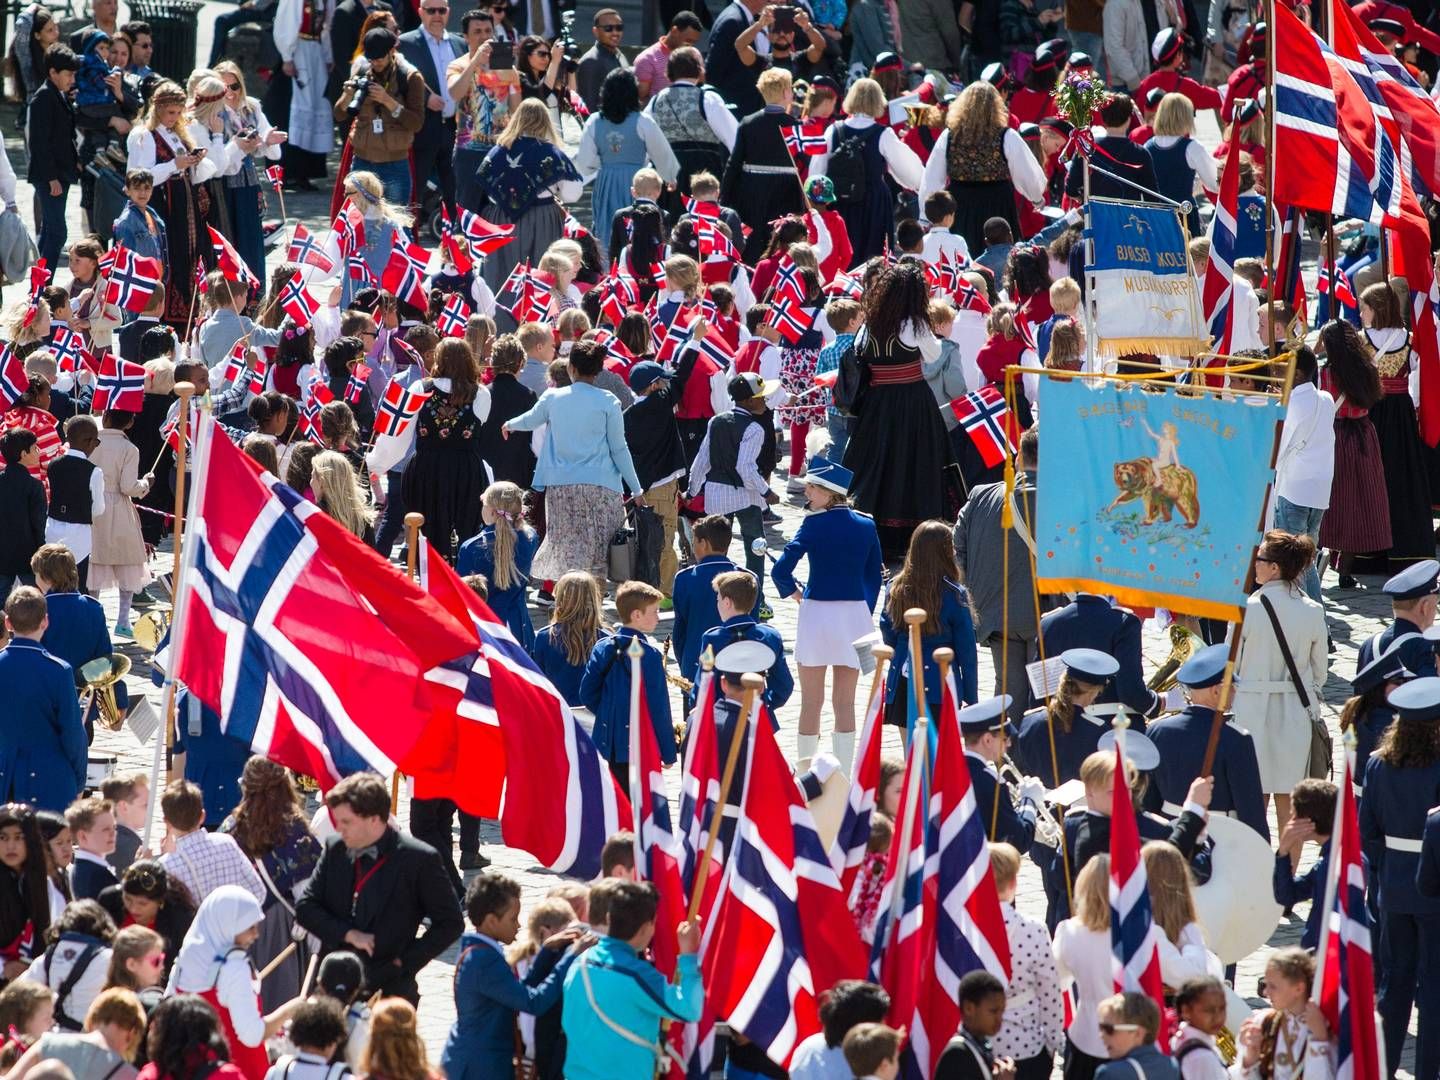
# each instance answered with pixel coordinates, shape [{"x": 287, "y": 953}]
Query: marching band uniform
[
  {"x": 1393, "y": 818},
  {"x": 1031, "y": 747},
  {"x": 956, "y": 631},
  {"x": 213, "y": 759},
  {"x": 1386, "y": 668},
  {"x": 1182, "y": 739},
  {"x": 1427, "y": 874},
  {"x": 696, "y": 609},
  {"x": 42, "y": 745},
  {"x": 78, "y": 634},
  {"x": 1410, "y": 584},
  {"x": 1092, "y": 622},
  {"x": 1004, "y": 821},
  {"x": 779, "y": 683}
]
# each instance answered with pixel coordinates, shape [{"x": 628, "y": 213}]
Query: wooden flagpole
[
  {"x": 184, "y": 391},
  {"x": 413, "y": 521}
]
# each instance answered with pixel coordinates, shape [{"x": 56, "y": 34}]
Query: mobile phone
[
  {"x": 784, "y": 20},
  {"x": 248, "y": 133},
  {"x": 502, "y": 55}
]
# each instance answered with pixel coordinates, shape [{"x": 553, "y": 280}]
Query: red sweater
[{"x": 841, "y": 252}]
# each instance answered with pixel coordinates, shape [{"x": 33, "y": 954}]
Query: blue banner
[
  {"x": 1139, "y": 281},
  {"x": 1154, "y": 498}
]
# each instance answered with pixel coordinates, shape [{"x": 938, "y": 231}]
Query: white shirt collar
[
  {"x": 81, "y": 855},
  {"x": 488, "y": 940}
]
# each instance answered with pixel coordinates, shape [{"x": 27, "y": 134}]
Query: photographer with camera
[
  {"x": 384, "y": 104},
  {"x": 545, "y": 73},
  {"x": 782, "y": 24},
  {"x": 601, "y": 58}
]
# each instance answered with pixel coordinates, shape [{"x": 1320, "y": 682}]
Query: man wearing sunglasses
[
  {"x": 430, "y": 50},
  {"x": 602, "y": 58}
]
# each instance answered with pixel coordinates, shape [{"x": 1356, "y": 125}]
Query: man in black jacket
[
  {"x": 22, "y": 508},
  {"x": 1118, "y": 157},
  {"x": 54, "y": 162},
  {"x": 373, "y": 888},
  {"x": 734, "y": 80}
]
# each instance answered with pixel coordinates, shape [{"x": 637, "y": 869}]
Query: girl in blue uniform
[
  {"x": 503, "y": 551},
  {"x": 562, "y": 648},
  {"x": 1077, "y": 736},
  {"x": 836, "y": 604},
  {"x": 929, "y": 580},
  {"x": 1368, "y": 713}
]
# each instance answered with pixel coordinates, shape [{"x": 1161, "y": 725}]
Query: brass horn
[
  {"x": 100, "y": 677},
  {"x": 1183, "y": 644},
  {"x": 150, "y": 629}
]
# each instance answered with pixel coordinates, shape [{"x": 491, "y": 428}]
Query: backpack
[
  {"x": 847, "y": 168},
  {"x": 851, "y": 381}
]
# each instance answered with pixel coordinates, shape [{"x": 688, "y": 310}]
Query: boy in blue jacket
[
  {"x": 605, "y": 686},
  {"x": 1313, "y": 816},
  {"x": 488, "y": 994},
  {"x": 693, "y": 596},
  {"x": 735, "y": 593},
  {"x": 612, "y": 988}
]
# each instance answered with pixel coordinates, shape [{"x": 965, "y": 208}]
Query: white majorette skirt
[{"x": 827, "y": 630}]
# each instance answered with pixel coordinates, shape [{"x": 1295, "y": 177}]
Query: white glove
[
  {"x": 1032, "y": 789},
  {"x": 1174, "y": 699}
]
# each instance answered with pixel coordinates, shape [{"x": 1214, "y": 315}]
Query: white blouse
[
  {"x": 1083, "y": 957},
  {"x": 390, "y": 450},
  {"x": 141, "y": 146},
  {"x": 1297, "y": 1056},
  {"x": 1025, "y": 172},
  {"x": 235, "y": 157},
  {"x": 1034, "y": 1015},
  {"x": 904, "y": 164}
]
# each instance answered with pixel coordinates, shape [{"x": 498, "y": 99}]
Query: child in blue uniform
[
  {"x": 735, "y": 593},
  {"x": 1368, "y": 713},
  {"x": 576, "y": 624},
  {"x": 696, "y": 608},
  {"x": 1077, "y": 735},
  {"x": 843, "y": 549},
  {"x": 605, "y": 686},
  {"x": 929, "y": 580},
  {"x": 503, "y": 551}
]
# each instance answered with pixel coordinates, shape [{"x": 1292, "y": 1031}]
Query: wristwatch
[{"x": 395, "y": 112}]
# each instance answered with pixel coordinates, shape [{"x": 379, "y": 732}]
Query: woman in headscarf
[{"x": 214, "y": 965}]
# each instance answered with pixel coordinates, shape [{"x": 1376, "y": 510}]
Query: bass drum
[{"x": 1238, "y": 914}]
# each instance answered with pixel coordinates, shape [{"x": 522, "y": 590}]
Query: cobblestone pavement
[{"x": 1353, "y": 615}]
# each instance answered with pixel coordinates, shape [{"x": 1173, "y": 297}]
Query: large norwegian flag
[
  {"x": 1217, "y": 294},
  {"x": 658, "y": 855},
  {"x": 120, "y": 385},
  {"x": 131, "y": 280},
  {"x": 852, "y": 839},
  {"x": 398, "y": 407},
  {"x": 963, "y": 927},
  {"x": 404, "y": 274},
  {"x": 311, "y": 647},
  {"x": 296, "y": 302},
  {"x": 1135, "y": 952},
  {"x": 782, "y": 935},
  {"x": 308, "y": 251},
  {"x": 1345, "y": 967}
]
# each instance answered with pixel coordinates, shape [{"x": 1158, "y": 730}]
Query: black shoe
[
  {"x": 1347, "y": 582},
  {"x": 473, "y": 860},
  {"x": 770, "y": 517}
]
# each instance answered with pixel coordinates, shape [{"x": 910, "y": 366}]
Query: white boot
[
  {"x": 805, "y": 747},
  {"x": 842, "y": 744}
]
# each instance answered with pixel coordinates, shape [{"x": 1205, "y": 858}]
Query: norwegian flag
[
  {"x": 228, "y": 259},
  {"x": 806, "y": 140},
  {"x": 715, "y": 348},
  {"x": 1135, "y": 952},
  {"x": 170, "y": 430},
  {"x": 13, "y": 380},
  {"x": 842, "y": 284},
  {"x": 969, "y": 298},
  {"x": 398, "y": 407},
  {"x": 572, "y": 229},
  {"x": 201, "y": 277},
  {"x": 355, "y": 385},
  {"x": 359, "y": 270},
  {"x": 619, "y": 293},
  {"x": 781, "y": 933},
  {"x": 257, "y": 376},
  {"x": 614, "y": 348},
  {"x": 1344, "y": 292},
  {"x": 702, "y": 209},
  {"x": 316, "y": 397},
  {"x": 532, "y": 296},
  {"x": 792, "y": 320},
  {"x": 852, "y": 839},
  {"x": 276, "y": 175},
  {"x": 1217, "y": 291},
  {"x": 132, "y": 280},
  {"x": 349, "y": 230},
  {"x": 658, "y": 855},
  {"x": 308, "y": 251},
  {"x": 454, "y": 316},
  {"x": 455, "y": 243},
  {"x": 296, "y": 302},
  {"x": 1345, "y": 966},
  {"x": 788, "y": 284},
  {"x": 485, "y": 238},
  {"x": 235, "y": 368},
  {"x": 404, "y": 274},
  {"x": 39, "y": 278},
  {"x": 326, "y": 645},
  {"x": 987, "y": 421},
  {"x": 713, "y": 241},
  {"x": 70, "y": 351},
  {"x": 1412, "y": 260},
  {"x": 561, "y": 803},
  {"x": 107, "y": 260},
  {"x": 963, "y": 928},
  {"x": 119, "y": 385}
]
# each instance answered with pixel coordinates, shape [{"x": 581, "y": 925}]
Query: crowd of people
[{"x": 813, "y": 228}]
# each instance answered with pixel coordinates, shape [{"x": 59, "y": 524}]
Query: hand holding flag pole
[{"x": 753, "y": 684}]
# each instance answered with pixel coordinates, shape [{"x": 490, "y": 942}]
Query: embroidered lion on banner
[{"x": 1175, "y": 490}]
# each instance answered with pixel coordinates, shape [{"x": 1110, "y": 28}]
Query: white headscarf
[{"x": 226, "y": 913}]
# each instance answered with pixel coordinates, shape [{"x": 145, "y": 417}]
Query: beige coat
[
  {"x": 117, "y": 530},
  {"x": 1266, "y": 703}
]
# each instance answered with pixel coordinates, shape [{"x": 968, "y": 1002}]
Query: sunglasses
[
  {"x": 157, "y": 961},
  {"x": 232, "y": 87},
  {"x": 610, "y": 28},
  {"x": 435, "y": 10},
  {"x": 1263, "y": 558},
  {"x": 1111, "y": 1029}
]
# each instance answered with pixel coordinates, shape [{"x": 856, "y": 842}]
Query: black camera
[
  {"x": 362, "y": 90},
  {"x": 571, "y": 51}
]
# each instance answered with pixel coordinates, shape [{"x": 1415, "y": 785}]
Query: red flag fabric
[{"x": 1134, "y": 944}]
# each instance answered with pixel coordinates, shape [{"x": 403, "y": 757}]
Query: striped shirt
[{"x": 204, "y": 861}]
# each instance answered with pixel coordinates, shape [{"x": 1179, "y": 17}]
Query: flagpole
[
  {"x": 194, "y": 300},
  {"x": 883, "y": 655},
  {"x": 914, "y": 618},
  {"x": 413, "y": 521},
  {"x": 753, "y": 684},
  {"x": 1332, "y": 875},
  {"x": 1270, "y": 166},
  {"x": 919, "y": 744},
  {"x": 637, "y": 777}
]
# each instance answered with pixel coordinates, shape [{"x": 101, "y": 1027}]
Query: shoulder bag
[{"x": 1322, "y": 746}]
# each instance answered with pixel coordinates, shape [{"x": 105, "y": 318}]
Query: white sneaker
[{"x": 795, "y": 486}]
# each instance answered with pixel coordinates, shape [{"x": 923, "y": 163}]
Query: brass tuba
[
  {"x": 1183, "y": 644},
  {"x": 100, "y": 677}
]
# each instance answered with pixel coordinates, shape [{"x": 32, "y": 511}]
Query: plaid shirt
[{"x": 204, "y": 861}]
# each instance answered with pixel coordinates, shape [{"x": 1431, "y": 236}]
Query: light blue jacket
[
  {"x": 634, "y": 996},
  {"x": 585, "y": 443}
]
